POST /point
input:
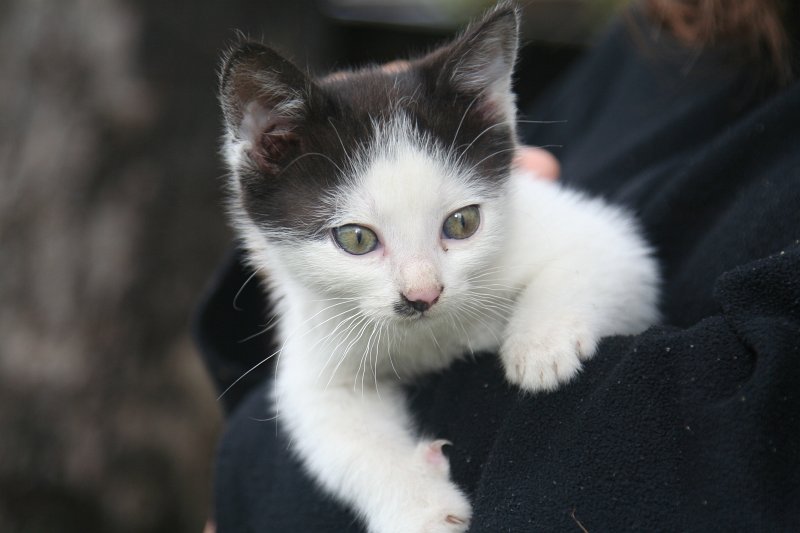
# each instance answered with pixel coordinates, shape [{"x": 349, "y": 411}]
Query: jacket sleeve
[{"x": 674, "y": 429}]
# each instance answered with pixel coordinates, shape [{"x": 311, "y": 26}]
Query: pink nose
[{"x": 423, "y": 299}]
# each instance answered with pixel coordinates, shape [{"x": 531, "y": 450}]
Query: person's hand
[{"x": 538, "y": 162}]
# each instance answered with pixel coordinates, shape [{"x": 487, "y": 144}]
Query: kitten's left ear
[{"x": 480, "y": 61}]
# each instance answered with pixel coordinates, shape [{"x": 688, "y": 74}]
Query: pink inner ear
[
  {"x": 274, "y": 145},
  {"x": 270, "y": 136}
]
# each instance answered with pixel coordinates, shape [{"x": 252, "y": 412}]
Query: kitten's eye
[
  {"x": 462, "y": 223},
  {"x": 355, "y": 239}
]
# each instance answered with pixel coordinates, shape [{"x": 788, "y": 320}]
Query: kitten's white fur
[{"x": 548, "y": 273}]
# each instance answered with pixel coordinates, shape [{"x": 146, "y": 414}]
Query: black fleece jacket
[{"x": 693, "y": 425}]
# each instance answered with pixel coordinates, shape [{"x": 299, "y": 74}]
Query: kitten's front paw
[
  {"x": 431, "y": 503},
  {"x": 542, "y": 358},
  {"x": 450, "y": 512},
  {"x": 445, "y": 510}
]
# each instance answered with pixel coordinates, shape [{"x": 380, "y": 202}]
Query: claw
[
  {"x": 438, "y": 444},
  {"x": 451, "y": 519}
]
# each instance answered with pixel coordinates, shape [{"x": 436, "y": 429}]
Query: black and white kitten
[{"x": 396, "y": 237}]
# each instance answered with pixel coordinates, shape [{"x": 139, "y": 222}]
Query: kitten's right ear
[{"x": 265, "y": 99}]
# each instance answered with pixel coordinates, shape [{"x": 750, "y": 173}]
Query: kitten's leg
[
  {"x": 548, "y": 335},
  {"x": 592, "y": 275},
  {"x": 361, "y": 449}
]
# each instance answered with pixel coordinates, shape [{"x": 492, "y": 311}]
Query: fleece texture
[{"x": 693, "y": 425}]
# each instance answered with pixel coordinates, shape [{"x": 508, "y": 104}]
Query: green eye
[
  {"x": 355, "y": 239},
  {"x": 462, "y": 223}
]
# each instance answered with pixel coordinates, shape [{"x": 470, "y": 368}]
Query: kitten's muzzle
[{"x": 417, "y": 301}]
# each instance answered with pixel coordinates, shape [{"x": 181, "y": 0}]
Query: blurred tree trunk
[{"x": 110, "y": 223}]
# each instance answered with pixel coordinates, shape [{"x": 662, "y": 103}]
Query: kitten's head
[{"x": 385, "y": 185}]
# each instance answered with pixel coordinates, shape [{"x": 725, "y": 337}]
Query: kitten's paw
[
  {"x": 449, "y": 517},
  {"x": 544, "y": 357},
  {"x": 445, "y": 511},
  {"x": 430, "y": 502}
]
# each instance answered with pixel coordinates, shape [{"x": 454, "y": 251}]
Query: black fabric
[
  {"x": 693, "y": 425},
  {"x": 232, "y": 328}
]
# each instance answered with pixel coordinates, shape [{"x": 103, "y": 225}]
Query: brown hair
[{"x": 760, "y": 27}]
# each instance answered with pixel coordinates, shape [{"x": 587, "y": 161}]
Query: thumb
[{"x": 537, "y": 161}]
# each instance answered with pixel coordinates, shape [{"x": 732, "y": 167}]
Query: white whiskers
[{"x": 239, "y": 292}]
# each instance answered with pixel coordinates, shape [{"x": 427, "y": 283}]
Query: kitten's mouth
[
  {"x": 412, "y": 310},
  {"x": 409, "y": 313}
]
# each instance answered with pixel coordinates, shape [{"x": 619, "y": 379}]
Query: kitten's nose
[{"x": 422, "y": 299}]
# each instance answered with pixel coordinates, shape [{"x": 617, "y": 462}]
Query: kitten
[{"x": 396, "y": 237}]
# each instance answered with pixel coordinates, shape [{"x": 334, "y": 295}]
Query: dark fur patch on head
[{"x": 302, "y": 132}]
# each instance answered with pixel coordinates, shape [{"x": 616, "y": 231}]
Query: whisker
[
  {"x": 498, "y": 152},
  {"x": 460, "y": 322},
  {"x": 365, "y": 321},
  {"x": 433, "y": 336},
  {"x": 498, "y": 312},
  {"x": 460, "y": 122},
  {"x": 481, "y": 134},
  {"x": 273, "y": 321},
  {"x": 542, "y": 121},
  {"x": 486, "y": 272},
  {"x": 389, "y": 353},
  {"x": 509, "y": 122},
  {"x": 252, "y": 368},
  {"x": 473, "y": 312},
  {"x": 270, "y": 419},
  {"x": 367, "y": 355},
  {"x": 334, "y": 335},
  {"x": 239, "y": 292},
  {"x": 301, "y": 156},
  {"x": 288, "y": 338},
  {"x": 344, "y": 150},
  {"x": 494, "y": 282},
  {"x": 381, "y": 326},
  {"x": 493, "y": 296}
]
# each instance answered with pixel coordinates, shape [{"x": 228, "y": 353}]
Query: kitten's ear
[
  {"x": 265, "y": 100},
  {"x": 480, "y": 61}
]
